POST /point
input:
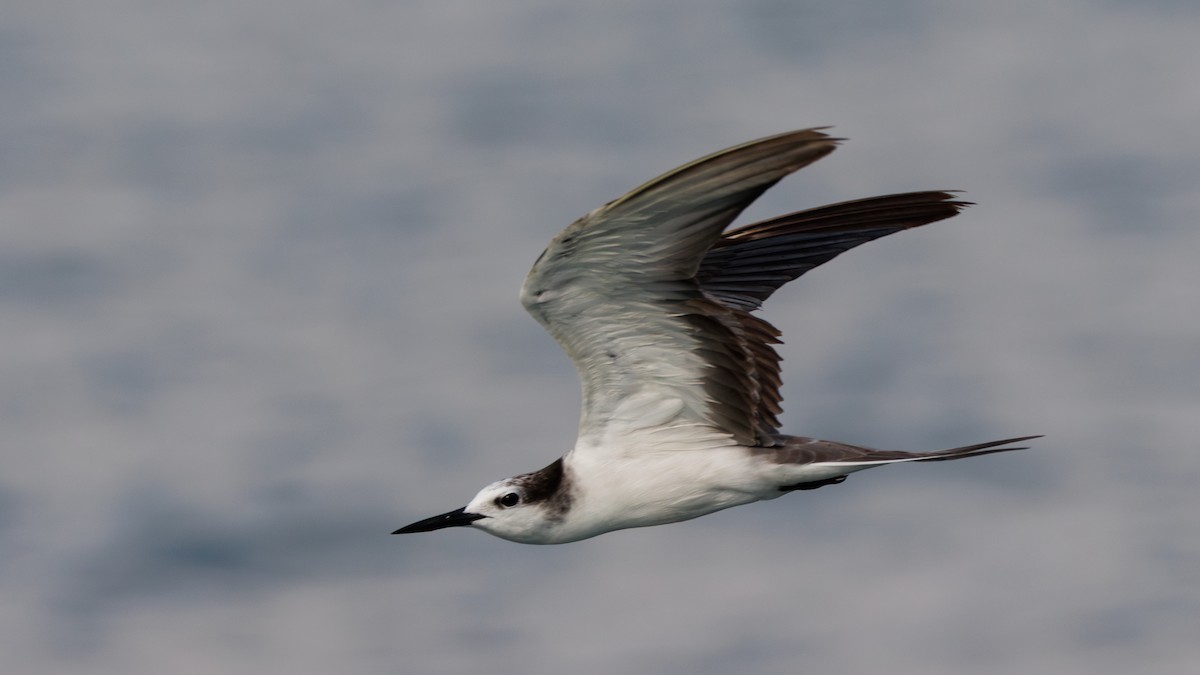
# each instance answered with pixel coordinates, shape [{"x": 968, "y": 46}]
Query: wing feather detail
[
  {"x": 653, "y": 303},
  {"x": 748, "y": 264},
  {"x": 617, "y": 290}
]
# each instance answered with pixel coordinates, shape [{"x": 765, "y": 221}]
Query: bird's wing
[
  {"x": 745, "y": 266},
  {"x": 617, "y": 290}
]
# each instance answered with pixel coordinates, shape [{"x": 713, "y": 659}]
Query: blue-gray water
[{"x": 258, "y": 276}]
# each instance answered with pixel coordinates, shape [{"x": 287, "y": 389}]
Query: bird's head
[{"x": 528, "y": 509}]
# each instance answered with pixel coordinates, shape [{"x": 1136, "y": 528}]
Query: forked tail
[
  {"x": 828, "y": 462},
  {"x": 971, "y": 450}
]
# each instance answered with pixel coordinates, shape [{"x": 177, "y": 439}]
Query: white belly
[{"x": 665, "y": 487}]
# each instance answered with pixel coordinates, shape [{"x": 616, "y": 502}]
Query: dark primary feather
[{"x": 748, "y": 264}]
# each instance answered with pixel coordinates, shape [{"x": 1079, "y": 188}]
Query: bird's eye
[{"x": 509, "y": 499}]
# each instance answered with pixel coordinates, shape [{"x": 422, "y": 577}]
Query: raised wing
[
  {"x": 745, "y": 266},
  {"x": 618, "y": 290}
]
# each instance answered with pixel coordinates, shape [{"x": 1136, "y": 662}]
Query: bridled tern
[{"x": 653, "y": 302}]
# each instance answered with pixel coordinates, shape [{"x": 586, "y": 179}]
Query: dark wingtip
[{"x": 951, "y": 197}]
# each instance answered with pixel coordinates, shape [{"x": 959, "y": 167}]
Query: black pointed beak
[{"x": 456, "y": 518}]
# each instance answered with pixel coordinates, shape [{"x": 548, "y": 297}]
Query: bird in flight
[{"x": 654, "y": 302}]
